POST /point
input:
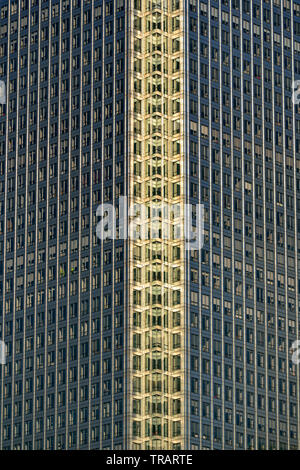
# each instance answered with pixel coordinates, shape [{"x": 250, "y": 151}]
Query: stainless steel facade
[
  {"x": 98, "y": 92},
  {"x": 62, "y": 154},
  {"x": 243, "y": 58}
]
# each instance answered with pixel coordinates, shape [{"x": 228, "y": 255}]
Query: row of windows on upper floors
[
  {"x": 234, "y": 120},
  {"x": 155, "y": 321},
  {"x": 216, "y": 263},
  {"x": 74, "y": 125},
  {"x": 283, "y": 386},
  {"x": 213, "y": 134},
  {"x": 205, "y": 279},
  {"x": 204, "y": 88},
  {"x": 63, "y": 87},
  {"x": 155, "y": 383},
  {"x": 63, "y": 270},
  {"x": 73, "y": 351},
  {"x": 248, "y": 399},
  {"x": 107, "y": 365},
  {"x": 261, "y": 234},
  {"x": 260, "y": 378},
  {"x": 42, "y": 36},
  {"x": 205, "y": 258},
  {"x": 209, "y": 111},
  {"x": 98, "y": 74},
  {"x": 108, "y": 255},
  {"x": 229, "y": 162},
  {"x": 291, "y": 409},
  {"x": 267, "y": 16},
  {"x": 208, "y": 174},
  {"x": 110, "y": 130},
  {"x": 77, "y": 141},
  {"x": 31, "y": 239},
  {"x": 214, "y": 199},
  {"x": 207, "y": 195},
  {"x": 235, "y": 163},
  {"x": 153, "y": 145},
  {"x": 269, "y": 94},
  {"x": 51, "y": 294},
  {"x": 244, "y": 65},
  {"x": 195, "y": 408},
  {"x": 107, "y": 194},
  {"x": 53, "y": 212},
  {"x": 109, "y": 50},
  {"x": 236, "y": 79},
  {"x": 106, "y": 111},
  {"x": 117, "y": 129},
  {"x": 238, "y": 290},
  {"x": 100, "y": 12},
  {"x": 229, "y": 353},
  {"x": 257, "y": 338},
  {"x": 109, "y": 409},
  {"x": 229, "y": 183},
  {"x": 118, "y": 321},
  {"x": 170, "y": 321},
  {"x": 193, "y": 9},
  {"x": 246, "y": 7},
  {"x": 73, "y": 440},
  {"x": 65, "y": 6},
  {"x": 39, "y": 320},
  {"x": 62, "y": 397},
  {"x": 109, "y": 89},
  {"x": 119, "y": 68},
  {"x": 70, "y": 439},
  {"x": 237, "y": 353},
  {"x": 86, "y": 221},
  {"x": 214, "y": 441},
  {"x": 64, "y": 45},
  {"x": 205, "y": 111},
  {"x": 175, "y": 323},
  {"x": 85, "y": 158},
  {"x": 282, "y": 220},
  {"x": 65, "y": 439},
  {"x": 201, "y": 23}
]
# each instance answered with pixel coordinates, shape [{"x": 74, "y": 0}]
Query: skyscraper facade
[{"x": 140, "y": 342}]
